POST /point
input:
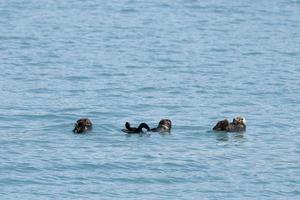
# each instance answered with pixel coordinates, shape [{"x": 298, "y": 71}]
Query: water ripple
[{"x": 192, "y": 61}]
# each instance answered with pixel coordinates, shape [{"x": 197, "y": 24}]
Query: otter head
[
  {"x": 221, "y": 125},
  {"x": 239, "y": 120},
  {"x": 82, "y": 126},
  {"x": 165, "y": 124}
]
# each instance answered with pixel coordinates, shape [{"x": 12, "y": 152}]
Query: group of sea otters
[{"x": 164, "y": 126}]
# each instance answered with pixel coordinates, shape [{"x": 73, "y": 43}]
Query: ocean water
[{"x": 194, "y": 62}]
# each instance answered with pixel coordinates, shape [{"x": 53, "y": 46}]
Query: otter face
[
  {"x": 82, "y": 125},
  {"x": 165, "y": 124},
  {"x": 239, "y": 120},
  {"x": 221, "y": 125}
]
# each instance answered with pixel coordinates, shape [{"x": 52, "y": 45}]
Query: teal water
[{"x": 195, "y": 62}]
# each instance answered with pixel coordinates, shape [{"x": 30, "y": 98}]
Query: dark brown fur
[
  {"x": 164, "y": 125},
  {"x": 83, "y": 125},
  {"x": 131, "y": 130},
  {"x": 221, "y": 125},
  {"x": 237, "y": 125}
]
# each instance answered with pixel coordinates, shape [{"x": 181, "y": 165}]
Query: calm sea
[{"x": 194, "y": 62}]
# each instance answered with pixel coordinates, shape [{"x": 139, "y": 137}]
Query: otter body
[
  {"x": 237, "y": 125},
  {"x": 221, "y": 125},
  {"x": 83, "y": 125}
]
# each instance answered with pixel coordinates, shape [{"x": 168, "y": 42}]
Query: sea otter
[
  {"x": 131, "y": 130},
  {"x": 164, "y": 125},
  {"x": 237, "y": 125},
  {"x": 83, "y": 125}
]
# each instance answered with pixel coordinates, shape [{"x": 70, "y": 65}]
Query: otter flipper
[
  {"x": 143, "y": 125},
  {"x": 127, "y": 126},
  {"x": 132, "y": 130}
]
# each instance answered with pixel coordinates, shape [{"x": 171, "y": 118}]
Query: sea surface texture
[{"x": 194, "y": 62}]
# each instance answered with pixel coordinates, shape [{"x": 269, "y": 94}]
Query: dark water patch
[{"x": 128, "y": 10}]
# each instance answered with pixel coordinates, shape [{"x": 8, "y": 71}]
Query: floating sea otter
[
  {"x": 164, "y": 125},
  {"x": 83, "y": 125},
  {"x": 237, "y": 125}
]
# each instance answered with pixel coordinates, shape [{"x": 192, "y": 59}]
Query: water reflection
[{"x": 225, "y": 136}]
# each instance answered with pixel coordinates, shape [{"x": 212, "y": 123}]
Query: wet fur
[
  {"x": 221, "y": 125},
  {"x": 237, "y": 125},
  {"x": 83, "y": 125},
  {"x": 164, "y": 125},
  {"x": 132, "y": 130}
]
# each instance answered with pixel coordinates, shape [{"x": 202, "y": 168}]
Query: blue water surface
[{"x": 194, "y": 62}]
